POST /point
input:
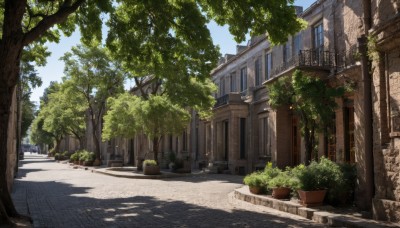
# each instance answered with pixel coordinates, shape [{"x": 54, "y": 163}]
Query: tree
[
  {"x": 312, "y": 101},
  {"x": 49, "y": 125},
  {"x": 63, "y": 111},
  {"x": 156, "y": 116},
  {"x": 92, "y": 77},
  {"x": 26, "y": 22}
]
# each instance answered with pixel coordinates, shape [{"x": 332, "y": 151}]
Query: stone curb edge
[{"x": 317, "y": 215}]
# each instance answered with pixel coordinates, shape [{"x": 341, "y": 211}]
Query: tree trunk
[
  {"x": 308, "y": 144},
  {"x": 57, "y": 146},
  {"x": 155, "y": 148},
  {"x": 96, "y": 140},
  {"x": 10, "y": 55},
  {"x": 7, "y": 208}
]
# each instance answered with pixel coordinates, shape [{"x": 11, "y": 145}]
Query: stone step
[{"x": 317, "y": 214}]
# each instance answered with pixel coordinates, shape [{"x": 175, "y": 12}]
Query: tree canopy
[
  {"x": 311, "y": 99},
  {"x": 156, "y": 116},
  {"x": 91, "y": 77},
  {"x": 156, "y": 25}
]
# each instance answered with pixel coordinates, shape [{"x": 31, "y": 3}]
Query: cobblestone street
[{"x": 59, "y": 196}]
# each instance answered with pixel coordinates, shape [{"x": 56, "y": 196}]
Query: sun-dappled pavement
[{"x": 56, "y": 195}]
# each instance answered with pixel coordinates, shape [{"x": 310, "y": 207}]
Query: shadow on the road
[
  {"x": 22, "y": 172},
  {"x": 57, "y": 204}
]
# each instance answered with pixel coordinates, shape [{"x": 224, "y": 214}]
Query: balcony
[
  {"x": 230, "y": 98},
  {"x": 313, "y": 58},
  {"x": 348, "y": 58}
]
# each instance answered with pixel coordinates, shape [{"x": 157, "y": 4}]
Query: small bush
[
  {"x": 256, "y": 179},
  {"x": 57, "y": 156},
  {"x": 270, "y": 171},
  {"x": 149, "y": 163},
  {"x": 282, "y": 180}
]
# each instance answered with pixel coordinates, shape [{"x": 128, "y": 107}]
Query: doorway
[{"x": 295, "y": 138}]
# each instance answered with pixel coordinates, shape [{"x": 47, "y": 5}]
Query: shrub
[
  {"x": 57, "y": 156},
  {"x": 256, "y": 179},
  {"x": 91, "y": 156},
  {"x": 270, "y": 171},
  {"x": 282, "y": 180},
  {"x": 66, "y": 155},
  {"x": 339, "y": 180},
  {"x": 319, "y": 175},
  {"x": 83, "y": 155},
  {"x": 343, "y": 191},
  {"x": 75, "y": 156},
  {"x": 149, "y": 163}
]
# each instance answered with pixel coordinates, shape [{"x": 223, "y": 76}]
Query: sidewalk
[
  {"x": 324, "y": 214},
  {"x": 131, "y": 172}
]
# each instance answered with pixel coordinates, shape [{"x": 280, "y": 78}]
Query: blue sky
[{"x": 53, "y": 71}]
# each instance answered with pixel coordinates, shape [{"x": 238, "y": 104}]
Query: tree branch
[{"x": 60, "y": 16}]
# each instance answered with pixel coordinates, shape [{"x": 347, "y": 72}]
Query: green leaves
[
  {"x": 276, "y": 18},
  {"x": 155, "y": 117},
  {"x": 311, "y": 99}
]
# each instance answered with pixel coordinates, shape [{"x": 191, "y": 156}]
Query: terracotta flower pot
[
  {"x": 281, "y": 192},
  {"x": 255, "y": 189},
  {"x": 312, "y": 198}
]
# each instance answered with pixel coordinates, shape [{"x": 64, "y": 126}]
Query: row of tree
[
  {"x": 93, "y": 87},
  {"x": 167, "y": 39}
]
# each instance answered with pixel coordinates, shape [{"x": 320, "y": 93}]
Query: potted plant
[
  {"x": 314, "y": 181},
  {"x": 89, "y": 158},
  {"x": 74, "y": 158},
  {"x": 256, "y": 182},
  {"x": 150, "y": 167},
  {"x": 281, "y": 185}
]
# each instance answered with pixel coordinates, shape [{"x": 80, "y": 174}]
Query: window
[
  {"x": 268, "y": 65},
  {"x": 222, "y": 87},
  {"x": 233, "y": 82},
  {"x": 243, "y": 79},
  {"x": 318, "y": 44},
  {"x": 264, "y": 137},
  {"x": 257, "y": 71},
  {"x": 242, "y": 138},
  {"x": 318, "y": 36},
  {"x": 297, "y": 44},
  {"x": 286, "y": 52}
]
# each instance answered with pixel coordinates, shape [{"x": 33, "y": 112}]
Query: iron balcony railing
[
  {"x": 320, "y": 59},
  {"x": 348, "y": 58},
  {"x": 222, "y": 100},
  {"x": 307, "y": 58},
  {"x": 230, "y": 98}
]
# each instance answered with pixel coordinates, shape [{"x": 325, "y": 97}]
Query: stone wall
[{"x": 386, "y": 106}]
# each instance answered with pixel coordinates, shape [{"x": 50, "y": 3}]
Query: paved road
[{"x": 59, "y": 196}]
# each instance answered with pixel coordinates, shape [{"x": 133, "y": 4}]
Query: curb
[
  {"x": 318, "y": 214},
  {"x": 163, "y": 175}
]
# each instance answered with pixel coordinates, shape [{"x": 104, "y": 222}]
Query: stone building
[
  {"x": 384, "y": 46},
  {"x": 245, "y": 132}
]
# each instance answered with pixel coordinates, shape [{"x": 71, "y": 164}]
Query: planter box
[
  {"x": 281, "y": 193},
  {"x": 311, "y": 198},
  {"x": 151, "y": 170}
]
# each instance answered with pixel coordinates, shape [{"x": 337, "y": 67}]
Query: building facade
[{"x": 245, "y": 132}]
